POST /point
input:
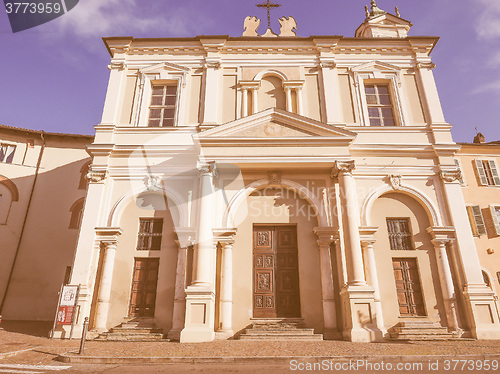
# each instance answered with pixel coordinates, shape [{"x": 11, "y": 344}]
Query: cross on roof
[{"x": 268, "y": 5}]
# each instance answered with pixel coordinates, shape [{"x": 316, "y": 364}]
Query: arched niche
[{"x": 8, "y": 194}]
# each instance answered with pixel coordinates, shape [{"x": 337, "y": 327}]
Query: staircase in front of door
[
  {"x": 279, "y": 329},
  {"x": 134, "y": 330}
]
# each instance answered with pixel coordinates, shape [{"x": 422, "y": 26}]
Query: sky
[{"x": 54, "y": 76}]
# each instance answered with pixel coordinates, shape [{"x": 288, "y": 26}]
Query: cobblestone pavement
[{"x": 27, "y": 344}]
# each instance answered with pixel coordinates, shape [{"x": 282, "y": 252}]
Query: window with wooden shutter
[
  {"x": 476, "y": 220},
  {"x": 7, "y": 153},
  {"x": 495, "y": 216},
  {"x": 150, "y": 232},
  {"x": 400, "y": 237},
  {"x": 487, "y": 173}
]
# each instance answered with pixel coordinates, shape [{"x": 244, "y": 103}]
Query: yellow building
[
  {"x": 479, "y": 163},
  {"x": 275, "y": 186}
]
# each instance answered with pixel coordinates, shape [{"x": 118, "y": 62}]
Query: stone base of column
[
  {"x": 482, "y": 311},
  {"x": 360, "y": 319},
  {"x": 332, "y": 334},
  {"x": 179, "y": 316},
  {"x": 224, "y": 335},
  {"x": 200, "y": 315}
]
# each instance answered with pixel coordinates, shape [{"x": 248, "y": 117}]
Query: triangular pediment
[
  {"x": 376, "y": 66},
  {"x": 171, "y": 68},
  {"x": 274, "y": 125},
  {"x": 389, "y": 19}
]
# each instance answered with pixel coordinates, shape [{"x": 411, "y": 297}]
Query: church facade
[{"x": 239, "y": 180}]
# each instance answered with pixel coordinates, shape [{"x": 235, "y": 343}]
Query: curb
[
  {"x": 10, "y": 354},
  {"x": 71, "y": 358}
]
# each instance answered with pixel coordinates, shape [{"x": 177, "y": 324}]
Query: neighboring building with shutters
[
  {"x": 311, "y": 182},
  {"x": 480, "y": 165}
]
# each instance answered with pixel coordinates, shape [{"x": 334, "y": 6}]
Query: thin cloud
[
  {"x": 92, "y": 18},
  {"x": 492, "y": 87},
  {"x": 488, "y": 24}
]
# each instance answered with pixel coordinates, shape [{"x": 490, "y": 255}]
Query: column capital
[
  {"x": 96, "y": 176},
  {"x": 207, "y": 168},
  {"x": 345, "y": 167},
  {"x": 326, "y": 235},
  {"x": 117, "y": 66},
  {"x": 224, "y": 235},
  {"x": 249, "y": 85},
  {"x": 366, "y": 234},
  {"x": 441, "y": 235},
  {"x": 449, "y": 176},
  {"x": 186, "y": 237},
  {"x": 108, "y": 233}
]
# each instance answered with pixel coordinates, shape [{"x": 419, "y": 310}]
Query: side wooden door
[
  {"x": 144, "y": 283},
  {"x": 408, "y": 287}
]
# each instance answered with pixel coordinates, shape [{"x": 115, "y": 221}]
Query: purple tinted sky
[{"x": 54, "y": 76}]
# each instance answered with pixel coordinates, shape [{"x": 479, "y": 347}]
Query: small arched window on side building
[
  {"x": 8, "y": 194},
  {"x": 84, "y": 182},
  {"x": 76, "y": 214},
  {"x": 486, "y": 278}
]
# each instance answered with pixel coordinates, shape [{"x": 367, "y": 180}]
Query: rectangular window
[
  {"x": 476, "y": 220},
  {"x": 150, "y": 230},
  {"x": 400, "y": 237},
  {"x": 7, "y": 153},
  {"x": 495, "y": 216},
  {"x": 162, "y": 109},
  {"x": 380, "y": 108},
  {"x": 487, "y": 173}
]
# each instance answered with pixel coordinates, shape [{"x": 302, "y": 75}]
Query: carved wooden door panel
[
  {"x": 144, "y": 282},
  {"x": 275, "y": 274},
  {"x": 408, "y": 287}
]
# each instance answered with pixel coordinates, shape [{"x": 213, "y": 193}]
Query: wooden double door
[
  {"x": 144, "y": 283},
  {"x": 275, "y": 272}
]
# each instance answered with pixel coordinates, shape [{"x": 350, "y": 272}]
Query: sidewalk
[{"x": 19, "y": 338}]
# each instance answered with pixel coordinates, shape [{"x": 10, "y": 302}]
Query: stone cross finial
[{"x": 268, "y": 5}]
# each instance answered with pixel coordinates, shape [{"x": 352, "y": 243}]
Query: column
[
  {"x": 200, "y": 295},
  {"x": 211, "y": 111},
  {"x": 300, "y": 101},
  {"x": 179, "y": 311},
  {"x": 244, "y": 102},
  {"x": 325, "y": 239},
  {"x": 367, "y": 243},
  {"x": 357, "y": 296},
  {"x": 343, "y": 170},
  {"x": 227, "y": 287},
  {"x": 288, "y": 92},
  {"x": 255, "y": 105},
  {"x": 446, "y": 281},
  {"x": 108, "y": 250},
  {"x": 430, "y": 93},
  {"x": 204, "y": 250},
  {"x": 113, "y": 102},
  {"x": 331, "y": 87}
]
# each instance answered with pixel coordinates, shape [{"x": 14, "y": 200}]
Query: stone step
[
  {"x": 134, "y": 334},
  {"x": 280, "y": 332},
  {"x": 130, "y": 339},
  {"x": 128, "y": 330},
  {"x": 406, "y": 330},
  {"x": 281, "y": 337}
]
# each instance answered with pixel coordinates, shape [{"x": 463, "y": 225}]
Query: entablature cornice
[{"x": 220, "y": 45}]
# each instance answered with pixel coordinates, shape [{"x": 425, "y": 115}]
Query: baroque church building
[{"x": 243, "y": 183}]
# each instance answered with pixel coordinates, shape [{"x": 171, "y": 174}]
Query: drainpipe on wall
[{"x": 24, "y": 225}]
